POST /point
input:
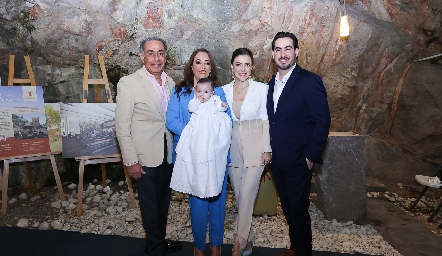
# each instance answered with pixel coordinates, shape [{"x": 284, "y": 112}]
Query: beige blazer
[
  {"x": 139, "y": 121},
  {"x": 253, "y": 130}
]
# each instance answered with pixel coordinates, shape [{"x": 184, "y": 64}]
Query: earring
[{"x": 233, "y": 75}]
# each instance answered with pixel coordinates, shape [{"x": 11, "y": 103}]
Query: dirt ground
[{"x": 422, "y": 211}]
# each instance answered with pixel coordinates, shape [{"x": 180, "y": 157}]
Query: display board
[
  {"x": 23, "y": 129},
  {"x": 88, "y": 129},
  {"x": 53, "y": 123}
]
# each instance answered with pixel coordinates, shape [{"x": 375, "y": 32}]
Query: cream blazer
[
  {"x": 254, "y": 125},
  {"x": 139, "y": 121}
]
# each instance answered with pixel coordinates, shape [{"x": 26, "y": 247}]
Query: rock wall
[{"x": 374, "y": 86}]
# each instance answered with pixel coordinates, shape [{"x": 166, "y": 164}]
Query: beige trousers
[{"x": 245, "y": 183}]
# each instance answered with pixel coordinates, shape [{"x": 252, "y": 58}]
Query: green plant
[
  {"x": 26, "y": 21},
  {"x": 257, "y": 79},
  {"x": 24, "y": 29}
]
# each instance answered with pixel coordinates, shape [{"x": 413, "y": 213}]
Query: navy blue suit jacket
[{"x": 299, "y": 128}]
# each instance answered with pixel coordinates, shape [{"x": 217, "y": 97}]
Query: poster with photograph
[
  {"x": 23, "y": 129},
  {"x": 88, "y": 129},
  {"x": 53, "y": 122}
]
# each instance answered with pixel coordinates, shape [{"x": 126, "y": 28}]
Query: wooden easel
[
  {"x": 86, "y": 160},
  {"x": 26, "y": 158},
  {"x": 12, "y": 80},
  {"x": 95, "y": 82}
]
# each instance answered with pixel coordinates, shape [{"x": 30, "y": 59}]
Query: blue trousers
[{"x": 212, "y": 210}]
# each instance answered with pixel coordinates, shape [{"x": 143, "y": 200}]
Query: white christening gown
[{"x": 202, "y": 150}]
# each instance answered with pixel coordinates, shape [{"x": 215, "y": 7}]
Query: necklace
[
  {"x": 241, "y": 90},
  {"x": 241, "y": 93}
]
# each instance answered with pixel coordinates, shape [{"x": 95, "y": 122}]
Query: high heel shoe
[{"x": 248, "y": 252}]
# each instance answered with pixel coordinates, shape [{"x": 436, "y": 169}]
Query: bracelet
[{"x": 134, "y": 163}]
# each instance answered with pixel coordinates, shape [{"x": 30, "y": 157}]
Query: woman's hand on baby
[{"x": 223, "y": 104}]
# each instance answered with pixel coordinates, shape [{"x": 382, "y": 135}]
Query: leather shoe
[
  {"x": 289, "y": 252},
  {"x": 173, "y": 247}
]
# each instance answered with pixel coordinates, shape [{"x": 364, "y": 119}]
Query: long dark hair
[{"x": 187, "y": 83}]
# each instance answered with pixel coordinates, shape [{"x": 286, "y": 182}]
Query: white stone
[
  {"x": 44, "y": 226},
  {"x": 107, "y": 232},
  {"x": 32, "y": 199},
  {"x": 130, "y": 218},
  {"x": 23, "y": 196},
  {"x": 71, "y": 206},
  {"x": 72, "y": 186},
  {"x": 56, "y": 224},
  {"x": 23, "y": 223},
  {"x": 96, "y": 198},
  {"x": 72, "y": 200},
  {"x": 66, "y": 227},
  {"x": 56, "y": 204},
  {"x": 13, "y": 200}
]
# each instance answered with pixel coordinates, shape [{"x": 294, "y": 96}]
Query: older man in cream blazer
[{"x": 145, "y": 143}]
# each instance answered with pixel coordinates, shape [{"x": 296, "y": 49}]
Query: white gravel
[{"x": 109, "y": 212}]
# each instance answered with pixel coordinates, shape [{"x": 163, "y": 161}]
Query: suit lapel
[
  {"x": 151, "y": 91},
  {"x": 289, "y": 85},
  {"x": 270, "y": 103},
  {"x": 250, "y": 95}
]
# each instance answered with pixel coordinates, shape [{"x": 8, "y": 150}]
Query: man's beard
[{"x": 286, "y": 66}]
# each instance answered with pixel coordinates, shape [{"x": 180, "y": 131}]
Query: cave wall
[{"x": 374, "y": 86}]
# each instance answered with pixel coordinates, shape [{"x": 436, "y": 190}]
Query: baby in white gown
[{"x": 202, "y": 150}]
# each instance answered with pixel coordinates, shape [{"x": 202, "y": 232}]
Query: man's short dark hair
[
  {"x": 206, "y": 80},
  {"x": 285, "y": 34},
  {"x": 153, "y": 38}
]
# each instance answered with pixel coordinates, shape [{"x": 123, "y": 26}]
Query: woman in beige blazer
[{"x": 250, "y": 149}]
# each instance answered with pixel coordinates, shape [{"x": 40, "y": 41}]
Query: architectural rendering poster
[
  {"x": 88, "y": 129},
  {"x": 22, "y": 121},
  {"x": 52, "y": 111}
]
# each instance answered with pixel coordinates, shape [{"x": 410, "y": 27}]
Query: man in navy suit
[{"x": 299, "y": 118}]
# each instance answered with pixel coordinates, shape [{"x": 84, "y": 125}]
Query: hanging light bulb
[
  {"x": 30, "y": 3},
  {"x": 344, "y": 29}
]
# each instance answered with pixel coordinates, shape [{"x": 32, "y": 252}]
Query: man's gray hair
[{"x": 153, "y": 38}]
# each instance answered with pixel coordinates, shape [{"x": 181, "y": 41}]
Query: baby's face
[{"x": 204, "y": 92}]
